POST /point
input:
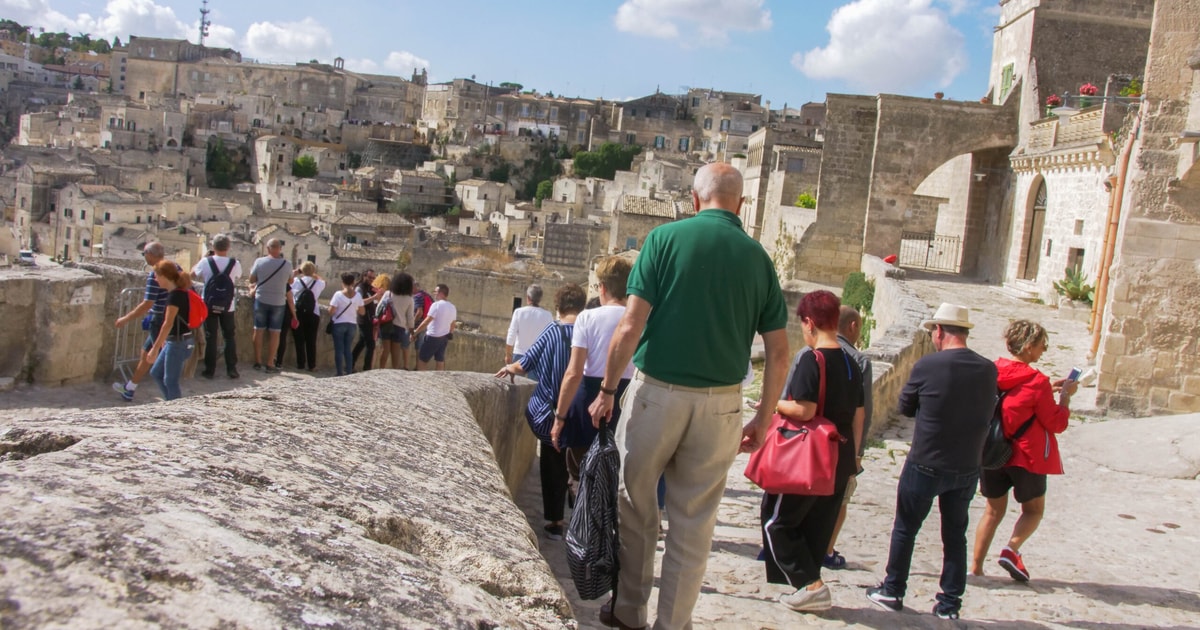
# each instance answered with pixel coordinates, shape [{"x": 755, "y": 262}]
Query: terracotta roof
[{"x": 631, "y": 204}]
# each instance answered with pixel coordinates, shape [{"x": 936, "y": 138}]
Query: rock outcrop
[{"x": 372, "y": 501}]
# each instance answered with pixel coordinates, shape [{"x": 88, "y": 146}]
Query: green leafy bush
[
  {"x": 859, "y": 293},
  {"x": 805, "y": 200}
]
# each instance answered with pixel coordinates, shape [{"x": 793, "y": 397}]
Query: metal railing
[{"x": 127, "y": 349}]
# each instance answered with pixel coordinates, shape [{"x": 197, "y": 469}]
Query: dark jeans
[
  {"x": 914, "y": 497},
  {"x": 306, "y": 340},
  {"x": 225, "y": 321},
  {"x": 366, "y": 341}
]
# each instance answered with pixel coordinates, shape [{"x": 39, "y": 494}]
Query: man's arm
[
  {"x": 138, "y": 312},
  {"x": 755, "y": 431},
  {"x": 910, "y": 397},
  {"x": 620, "y": 351}
]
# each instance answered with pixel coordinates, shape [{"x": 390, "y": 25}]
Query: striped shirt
[
  {"x": 549, "y": 355},
  {"x": 156, "y": 294}
]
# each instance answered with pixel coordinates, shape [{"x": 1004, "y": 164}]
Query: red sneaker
[{"x": 1011, "y": 561}]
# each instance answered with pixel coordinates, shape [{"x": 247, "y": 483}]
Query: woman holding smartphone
[{"x": 1032, "y": 418}]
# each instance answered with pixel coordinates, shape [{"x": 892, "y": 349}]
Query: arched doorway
[{"x": 1035, "y": 223}]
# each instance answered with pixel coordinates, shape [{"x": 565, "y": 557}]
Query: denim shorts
[
  {"x": 268, "y": 316},
  {"x": 156, "y": 323},
  {"x": 399, "y": 335}
]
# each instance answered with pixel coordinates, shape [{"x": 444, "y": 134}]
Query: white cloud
[
  {"x": 712, "y": 19},
  {"x": 399, "y": 63},
  {"x": 888, "y": 46},
  {"x": 121, "y": 18},
  {"x": 288, "y": 41}
]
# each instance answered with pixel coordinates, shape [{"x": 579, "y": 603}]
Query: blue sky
[{"x": 791, "y": 51}]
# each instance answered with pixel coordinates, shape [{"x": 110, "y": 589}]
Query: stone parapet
[
  {"x": 280, "y": 506},
  {"x": 898, "y": 339}
]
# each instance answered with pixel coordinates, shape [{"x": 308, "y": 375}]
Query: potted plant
[
  {"x": 1077, "y": 295},
  {"x": 1086, "y": 90},
  {"x": 1053, "y": 101}
]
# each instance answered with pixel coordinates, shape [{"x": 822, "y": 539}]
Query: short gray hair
[
  {"x": 534, "y": 293},
  {"x": 273, "y": 243},
  {"x": 156, "y": 249},
  {"x": 717, "y": 181},
  {"x": 221, "y": 243}
]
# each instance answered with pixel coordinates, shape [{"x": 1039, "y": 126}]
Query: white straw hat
[{"x": 949, "y": 315}]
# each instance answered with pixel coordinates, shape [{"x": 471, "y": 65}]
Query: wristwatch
[{"x": 610, "y": 392}]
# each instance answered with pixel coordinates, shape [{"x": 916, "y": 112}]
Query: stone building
[
  {"x": 422, "y": 191},
  {"x": 635, "y": 217},
  {"x": 458, "y": 107},
  {"x": 1146, "y": 329},
  {"x": 762, "y": 161},
  {"x": 35, "y": 198},
  {"x": 482, "y": 197}
]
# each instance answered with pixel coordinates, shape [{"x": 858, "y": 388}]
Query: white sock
[{"x": 130, "y": 385}]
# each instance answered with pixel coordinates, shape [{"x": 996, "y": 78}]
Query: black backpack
[
  {"x": 219, "y": 290},
  {"x": 997, "y": 447},
  {"x": 307, "y": 302}
]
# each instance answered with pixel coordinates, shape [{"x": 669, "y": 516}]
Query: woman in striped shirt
[{"x": 549, "y": 355}]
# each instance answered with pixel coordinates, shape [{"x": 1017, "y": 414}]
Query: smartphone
[{"x": 1074, "y": 375}]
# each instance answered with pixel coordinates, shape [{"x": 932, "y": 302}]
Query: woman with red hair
[
  {"x": 797, "y": 529},
  {"x": 175, "y": 341}
]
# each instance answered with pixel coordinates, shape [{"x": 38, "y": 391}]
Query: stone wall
[
  {"x": 832, "y": 246},
  {"x": 897, "y": 340},
  {"x": 50, "y": 320},
  {"x": 1149, "y": 355},
  {"x": 257, "y": 508},
  {"x": 61, "y": 328}
]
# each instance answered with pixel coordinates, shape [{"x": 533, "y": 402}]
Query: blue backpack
[{"x": 219, "y": 290}]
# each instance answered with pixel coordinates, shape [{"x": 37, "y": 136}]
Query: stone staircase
[{"x": 1021, "y": 290}]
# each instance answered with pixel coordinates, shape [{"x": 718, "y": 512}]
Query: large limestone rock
[{"x": 362, "y": 502}]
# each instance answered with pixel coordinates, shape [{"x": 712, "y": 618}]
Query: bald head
[
  {"x": 849, "y": 324},
  {"x": 718, "y": 185}
]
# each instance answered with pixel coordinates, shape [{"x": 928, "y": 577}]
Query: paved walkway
[{"x": 1115, "y": 552}]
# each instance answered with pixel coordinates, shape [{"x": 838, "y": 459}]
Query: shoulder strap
[
  {"x": 820, "y": 357},
  {"x": 277, "y": 270},
  {"x": 229, "y": 267},
  {"x": 307, "y": 287},
  {"x": 212, "y": 264},
  {"x": 1022, "y": 429}
]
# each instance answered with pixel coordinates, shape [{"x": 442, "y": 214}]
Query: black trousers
[
  {"x": 796, "y": 533},
  {"x": 283, "y": 336},
  {"x": 366, "y": 341},
  {"x": 306, "y": 340},
  {"x": 225, "y": 322},
  {"x": 553, "y": 465}
]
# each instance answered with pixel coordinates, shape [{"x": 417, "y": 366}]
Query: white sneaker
[{"x": 804, "y": 600}]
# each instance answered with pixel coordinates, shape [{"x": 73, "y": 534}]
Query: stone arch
[
  {"x": 877, "y": 151},
  {"x": 1032, "y": 227}
]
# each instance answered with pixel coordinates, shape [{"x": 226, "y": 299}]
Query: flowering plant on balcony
[
  {"x": 1054, "y": 100},
  {"x": 1087, "y": 89}
]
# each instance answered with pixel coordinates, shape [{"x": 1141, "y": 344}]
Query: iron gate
[{"x": 934, "y": 252}]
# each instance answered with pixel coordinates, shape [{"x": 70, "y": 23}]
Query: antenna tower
[{"x": 204, "y": 23}]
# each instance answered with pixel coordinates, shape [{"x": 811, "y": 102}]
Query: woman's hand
[{"x": 555, "y": 432}]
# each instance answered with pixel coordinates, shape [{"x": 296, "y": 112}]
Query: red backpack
[{"x": 197, "y": 310}]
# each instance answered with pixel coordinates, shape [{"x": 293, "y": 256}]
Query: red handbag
[{"x": 798, "y": 457}]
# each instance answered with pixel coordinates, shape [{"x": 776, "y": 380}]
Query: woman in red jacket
[{"x": 1029, "y": 398}]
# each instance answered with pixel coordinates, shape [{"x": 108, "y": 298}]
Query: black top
[
  {"x": 365, "y": 290},
  {"x": 843, "y": 396},
  {"x": 952, "y": 394},
  {"x": 179, "y": 299}
]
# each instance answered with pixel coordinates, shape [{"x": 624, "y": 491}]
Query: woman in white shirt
[
  {"x": 395, "y": 339},
  {"x": 344, "y": 308},
  {"x": 594, "y": 329},
  {"x": 308, "y": 314}
]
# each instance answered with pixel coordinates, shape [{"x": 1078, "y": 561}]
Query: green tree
[
  {"x": 512, "y": 86},
  {"x": 304, "y": 166},
  {"x": 805, "y": 200},
  {"x": 605, "y": 161},
  {"x": 219, "y": 165},
  {"x": 78, "y": 84},
  {"x": 539, "y": 169},
  {"x": 545, "y": 189},
  {"x": 354, "y": 160},
  {"x": 401, "y": 205}
]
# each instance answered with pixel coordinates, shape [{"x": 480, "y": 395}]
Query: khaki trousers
[{"x": 692, "y": 436}]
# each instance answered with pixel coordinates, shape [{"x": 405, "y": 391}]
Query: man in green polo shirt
[{"x": 700, "y": 290}]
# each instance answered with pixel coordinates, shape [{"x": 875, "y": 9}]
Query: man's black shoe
[
  {"x": 207, "y": 374},
  {"x": 233, "y": 373},
  {"x": 609, "y": 619}
]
